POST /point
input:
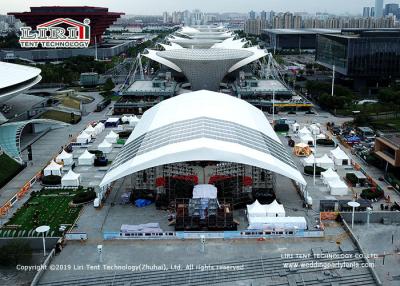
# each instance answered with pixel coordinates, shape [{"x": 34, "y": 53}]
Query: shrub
[
  {"x": 352, "y": 178},
  {"x": 372, "y": 193},
  {"x": 51, "y": 180},
  {"x": 281, "y": 127},
  {"x": 325, "y": 142},
  {"x": 84, "y": 197},
  {"x": 309, "y": 170}
]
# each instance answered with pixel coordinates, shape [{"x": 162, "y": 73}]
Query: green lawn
[
  {"x": 60, "y": 116},
  {"x": 8, "y": 169},
  {"x": 48, "y": 207},
  {"x": 391, "y": 123}
]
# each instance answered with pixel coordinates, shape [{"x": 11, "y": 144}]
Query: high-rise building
[
  {"x": 263, "y": 15},
  {"x": 378, "y": 8},
  {"x": 366, "y": 12},
  {"x": 252, "y": 15},
  {"x": 392, "y": 9},
  {"x": 165, "y": 17},
  {"x": 372, "y": 12}
]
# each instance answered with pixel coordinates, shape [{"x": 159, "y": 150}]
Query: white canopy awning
[
  {"x": 105, "y": 147},
  {"x": 337, "y": 187},
  {"x": 66, "y": 158},
  {"x": 71, "y": 179},
  {"x": 52, "y": 169},
  {"x": 275, "y": 209},
  {"x": 325, "y": 162},
  {"x": 304, "y": 131},
  {"x": 338, "y": 153}
]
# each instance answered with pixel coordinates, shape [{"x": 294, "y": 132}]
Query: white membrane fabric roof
[{"x": 194, "y": 127}]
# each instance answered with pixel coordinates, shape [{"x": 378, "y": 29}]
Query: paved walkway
[{"x": 46, "y": 148}]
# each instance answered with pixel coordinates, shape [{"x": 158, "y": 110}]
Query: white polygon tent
[
  {"x": 86, "y": 158},
  {"x": 65, "y": 158},
  {"x": 90, "y": 130},
  {"x": 315, "y": 129},
  {"x": 295, "y": 127},
  {"x": 309, "y": 161},
  {"x": 337, "y": 187},
  {"x": 52, "y": 169},
  {"x": 329, "y": 175},
  {"x": 275, "y": 209},
  {"x": 71, "y": 179},
  {"x": 105, "y": 147},
  {"x": 340, "y": 157},
  {"x": 325, "y": 162},
  {"x": 304, "y": 131},
  {"x": 83, "y": 138},
  {"x": 256, "y": 210},
  {"x": 307, "y": 139},
  {"x": 112, "y": 137}
]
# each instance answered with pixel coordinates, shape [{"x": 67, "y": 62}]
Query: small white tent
[
  {"x": 90, "y": 130},
  {"x": 52, "y": 169},
  {"x": 275, "y": 209},
  {"x": 112, "y": 137},
  {"x": 105, "y": 147},
  {"x": 133, "y": 120},
  {"x": 256, "y": 210},
  {"x": 321, "y": 136},
  {"x": 325, "y": 162},
  {"x": 71, "y": 179},
  {"x": 65, "y": 158},
  {"x": 329, "y": 175},
  {"x": 337, "y": 187},
  {"x": 309, "y": 161},
  {"x": 295, "y": 127},
  {"x": 340, "y": 157},
  {"x": 83, "y": 138},
  {"x": 125, "y": 119},
  {"x": 315, "y": 129},
  {"x": 86, "y": 158},
  {"x": 307, "y": 139},
  {"x": 304, "y": 131}
]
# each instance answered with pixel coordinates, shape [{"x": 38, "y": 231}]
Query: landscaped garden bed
[{"x": 46, "y": 207}]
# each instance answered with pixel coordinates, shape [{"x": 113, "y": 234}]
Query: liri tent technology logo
[{"x": 57, "y": 33}]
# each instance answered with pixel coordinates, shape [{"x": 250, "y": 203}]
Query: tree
[{"x": 108, "y": 85}]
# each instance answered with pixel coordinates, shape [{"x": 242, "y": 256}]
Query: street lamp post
[
  {"x": 333, "y": 79},
  {"x": 353, "y": 205},
  {"x": 43, "y": 229},
  {"x": 369, "y": 211}
]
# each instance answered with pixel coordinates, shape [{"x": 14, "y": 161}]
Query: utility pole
[{"x": 333, "y": 80}]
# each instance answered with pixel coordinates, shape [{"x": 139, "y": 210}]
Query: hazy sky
[{"x": 148, "y": 7}]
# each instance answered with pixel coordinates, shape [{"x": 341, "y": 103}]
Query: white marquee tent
[
  {"x": 133, "y": 120},
  {"x": 99, "y": 128},
  {"x": 71, "y": 179},
  {"x": 304, "y": 131},
  {"x": 256, "y": 210},
  {"x": 83, "y": 138},
  {"x": 52, "y": 169},
  {"x": 86, "y": 158},
  {"x": 125, "y": 119},
  {"x": 112, "y": 137},
  {"x": 315, "y": 129},
  {"x": 295, "y": 127},
  {"x": 65, "y": 158},
  {"x": 325, "y": 162},
  {"x": 329, "y": 175},
  {"x": 337, "y": 187},
  {"x": 340, "y": 157},
  {"x": 273, "y": 223},
  {"x": 321, "y": 136},
  {"x": 309, "y": 161},
  {"x": 105, "y": 147}
]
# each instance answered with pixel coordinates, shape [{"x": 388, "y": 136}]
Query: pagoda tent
[
  {"x": 256, "y": 210},
  {"x": 295, "y": 127},
  {"x": 275, "y": 209},
  {"x": 112, "y": 137},
  {"x": 340, "y": 157},
  {"x": 52, "y": 169},
  {"x": 329, "y": 175},
  {"x": 325, "y": 162},
  {"x": 86, "y": 159},
  {"x": 99, "y": 128},
  {"x": 65, "y": 158},
  {"x": 133, "y": 120},
  {"x": 71, "y": 179},
  {"x": 90, "y": 130},
  {"x": 307, "y": 139},
  {"x": 125, "y": 119},
  {"x": 105, "y": 147},
  {"x": 83, "y": 138}
]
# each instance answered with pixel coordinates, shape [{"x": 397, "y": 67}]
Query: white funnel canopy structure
[{"x": 192, "y": 127}]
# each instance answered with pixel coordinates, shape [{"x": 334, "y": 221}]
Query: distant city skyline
[{"x": 157, "y": 7}]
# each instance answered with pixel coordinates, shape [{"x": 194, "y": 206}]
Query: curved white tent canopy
[
  {"x": 171, "y": 46},
  {"x": 192, "y": 127},
  {"x": 257, "y": 54},
  {"x": 230, "y": 43},
  {"x": 152, "y": 54}
]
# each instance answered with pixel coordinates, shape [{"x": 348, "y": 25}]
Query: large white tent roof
[
  {"x": 192, "y": 127},
  {"x": 338, "y": 153}
]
